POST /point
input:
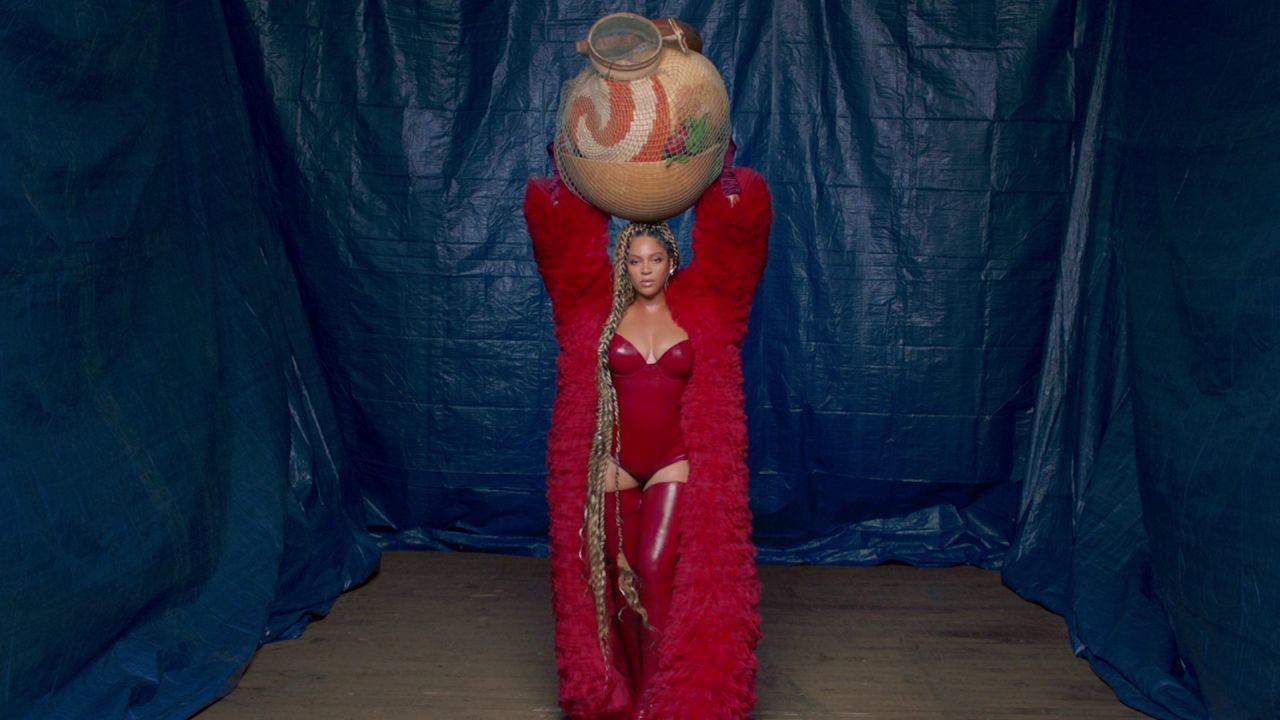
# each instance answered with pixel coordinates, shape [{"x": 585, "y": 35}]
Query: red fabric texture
[{"x": 709, "y": 664}]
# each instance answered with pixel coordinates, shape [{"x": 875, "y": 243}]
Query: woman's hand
[
  {"x": 728, "y": 178},
  {"x": 556, "y": 181}
]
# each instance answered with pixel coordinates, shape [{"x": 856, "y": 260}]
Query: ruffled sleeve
[
  {"x": 731, "y": 244},
  {"x": 570, "y": 243}
]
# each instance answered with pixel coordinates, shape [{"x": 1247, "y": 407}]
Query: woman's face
[{"x": 649, "y": 266}]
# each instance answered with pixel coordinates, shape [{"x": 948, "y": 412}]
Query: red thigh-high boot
[
  {"x": 626, "y": 624},
  {"x": 655, "y": 567}
]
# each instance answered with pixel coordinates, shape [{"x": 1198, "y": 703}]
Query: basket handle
[{"x": 679, "y": 33}]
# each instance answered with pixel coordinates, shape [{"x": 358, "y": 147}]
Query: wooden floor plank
[{"x": 469, "y": 636}]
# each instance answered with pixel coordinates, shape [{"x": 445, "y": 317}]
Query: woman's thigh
[
  {"x": 677, "y": 471},
  {"x": 615, "y": 478}
]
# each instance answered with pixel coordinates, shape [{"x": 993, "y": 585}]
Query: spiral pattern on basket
[{"x": 621, "y": 121}]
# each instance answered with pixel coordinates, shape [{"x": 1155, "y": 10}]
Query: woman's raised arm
[
  {"x": 570, "y": 242},
  {"x": 731, "y": 242}
]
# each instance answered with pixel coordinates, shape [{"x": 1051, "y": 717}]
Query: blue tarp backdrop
[{"x": 269, "y": 306}]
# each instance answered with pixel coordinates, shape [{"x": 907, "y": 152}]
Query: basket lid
[{"x": 624, "y": 46}]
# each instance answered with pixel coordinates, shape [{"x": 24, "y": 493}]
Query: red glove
[
  {"x": 728, "y": 178},
  {"x": 556, "y": 182}
]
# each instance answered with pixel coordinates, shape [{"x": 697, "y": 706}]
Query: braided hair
[{"x": 606, "y": 435}]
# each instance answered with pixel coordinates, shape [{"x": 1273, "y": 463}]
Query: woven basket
[
  {"x": 612, "y": 136},
  {"x": 644, "y": 191}
]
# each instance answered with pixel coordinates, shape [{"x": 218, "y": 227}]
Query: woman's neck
[{"x": 657, "y": 303}]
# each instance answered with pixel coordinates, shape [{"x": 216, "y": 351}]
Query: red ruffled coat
[{"x": 714, "y": 624}]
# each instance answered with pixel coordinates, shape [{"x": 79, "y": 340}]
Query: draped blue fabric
[
  {"x": 171, "y": 463},
  {"x": 270, "y": 306}
]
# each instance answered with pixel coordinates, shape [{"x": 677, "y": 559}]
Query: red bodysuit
[{"x": 649, "y": 406}]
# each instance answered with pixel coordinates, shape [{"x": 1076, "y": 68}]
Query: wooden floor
[{"x": 465, "y": 635}]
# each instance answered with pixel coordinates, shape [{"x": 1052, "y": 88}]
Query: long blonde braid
[{"x": 606, "y": 436}]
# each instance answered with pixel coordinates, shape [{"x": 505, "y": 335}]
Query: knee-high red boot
[
  {"x": 626, "y": 623},
  {"x": 656, "y": 568}
]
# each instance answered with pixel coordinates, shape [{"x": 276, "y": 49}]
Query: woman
[{"x": 687, "y": 532}]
